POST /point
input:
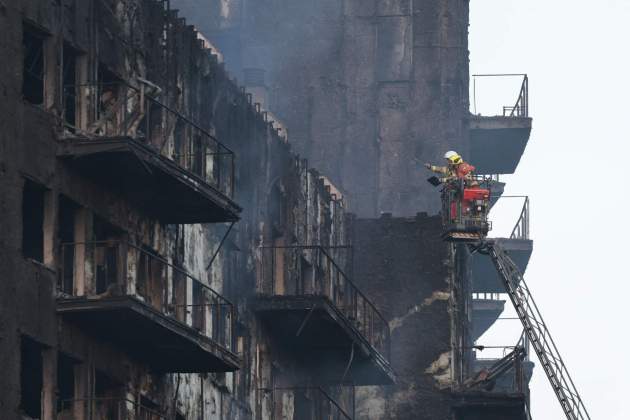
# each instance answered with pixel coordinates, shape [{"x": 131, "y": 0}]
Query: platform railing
[
  {"x": 521, "y": 229},
  {"x": 520, "y": 107},
  {"x": 116, "y": 268},
  {"x": 311, "y": 271},
  {"x": 111, "y": 110},
  {"x": 106, "y": 409},
  {"x": 315, "y": 404}
]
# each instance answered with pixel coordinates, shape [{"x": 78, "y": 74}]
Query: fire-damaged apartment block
[{"x": 166, "y": 253}]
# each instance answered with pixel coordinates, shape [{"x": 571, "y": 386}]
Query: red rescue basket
[{"x": 465, "y": 212}]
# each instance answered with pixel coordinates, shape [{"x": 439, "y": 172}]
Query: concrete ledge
[
  {"x": 485, "y": 277},
  {"x": 158, "y": 340},
  {"x": 321, "y": 337},
  {"x": 497, "y": 143},
  {"x": 149, "y": 180}
]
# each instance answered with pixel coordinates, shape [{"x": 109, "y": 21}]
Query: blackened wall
[
  {"x": 369, "y": 89},
  {"x": 142, "y": 39},
  {"x": 410, "y": 271}
]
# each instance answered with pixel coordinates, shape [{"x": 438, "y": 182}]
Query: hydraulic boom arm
[{"x": 538, "y": 334}]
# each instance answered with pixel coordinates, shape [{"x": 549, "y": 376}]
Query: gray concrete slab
[{"x": 498, "y": 136}]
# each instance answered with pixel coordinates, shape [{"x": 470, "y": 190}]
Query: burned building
[{"x": 165, "y": 251}]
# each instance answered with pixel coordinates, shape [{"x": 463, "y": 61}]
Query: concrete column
[
  {"x": 82, "y": 235},
  {"x": 49, "y": 389},
  {"x": 82, "y": 390},
  {"x": 50, "y": 227}
]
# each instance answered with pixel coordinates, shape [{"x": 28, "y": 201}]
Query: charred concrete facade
[
  {"x": 156, "y": 227},
  {"x": 426, "y": 290},
  {"x": 369, "y": 89},
  {"x": 167, "y": 255}
]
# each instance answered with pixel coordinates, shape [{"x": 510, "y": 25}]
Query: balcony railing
[
  {"x": 106, "y": 409},
  {"x": 118, "y": 269},
  {"x": 520, "y": 107},
  {"x": 120, "y": 110},
  {"x": 521, "y": 229},
  {"x": 508, "y": 205},
  {"x": 317, "y": 404},
  {"x": 488, "y": 296},
  {"x": 311, "y": 271}
]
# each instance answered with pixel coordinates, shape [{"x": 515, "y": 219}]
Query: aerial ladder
[{"x": 465, "y": 209}]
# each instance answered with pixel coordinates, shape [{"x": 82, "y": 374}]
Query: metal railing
[
  {"x": 520, "y": 108},
  {"x": 311, "y": 271},
  {"x": 120, "y": 110},
  {"x": 521, "y": 229},
  {"x": 106, "y": 409},
  {"x": 466, "y": 218},
  {"x": 117, "y": 268},
  {"x": 487, "y": 296},
  {"x": 315, "y": 404}
]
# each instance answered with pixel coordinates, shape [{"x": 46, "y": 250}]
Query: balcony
[
  {"x": 489, "y": 406},
  {"x": 486, "y": 310},
  {"x": 507, "y": 383},
  {"x": 506, "y": 135},
  {"x": 107, "y": 409},
  {"x": 165, "y": 164},
  {"x": 154, "y": 310},
  {"x": 311, "y": 306},
  {"x": 308, "y": 404},
  {"x": 518, "y": 245},
  {"x": 498, "y": 389}
]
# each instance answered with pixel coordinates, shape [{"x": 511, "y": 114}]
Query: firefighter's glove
[{"x": 427, "y": 165}]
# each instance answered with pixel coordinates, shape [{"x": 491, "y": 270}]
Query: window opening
[
  {"x": 33, "y": 221},
  {"x": 107, "y": 397},
  {"x": 67, "y": 215},
  {"x": 33, "y": 65},
  {"x": 65, "y": 385},
  {"x": 105, "y": 254},
  {"x": 70, "y": 58},
  {"x": 151, "y": 276},
  {"x": 108, "y": 102},
  {"x": 31, "y": 378}
]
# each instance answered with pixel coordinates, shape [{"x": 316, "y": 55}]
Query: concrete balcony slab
[
  {"x": 485, "y": 277},
  {"x": 323, "y": 339},
  {"x": 151, "y": 181},
  {"x": 484, "y": 314},
  {"x": 158, "y": 340},
  {"x": 497, "y": 143}
]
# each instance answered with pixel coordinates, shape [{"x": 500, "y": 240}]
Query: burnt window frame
[
  {"x": 31, "y": 34},
  {"x": 33, "y": 230},
  {"x": 29, "y": 368}
]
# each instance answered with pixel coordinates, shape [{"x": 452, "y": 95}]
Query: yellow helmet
[{"x": 453, "y": 157}]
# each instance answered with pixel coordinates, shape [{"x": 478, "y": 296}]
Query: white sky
[{"x": 575, "y": 170}]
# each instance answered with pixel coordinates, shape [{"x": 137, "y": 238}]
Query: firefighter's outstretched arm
[
  {"x": 442, "y": 170},
  {"x": 437, "y": 169}
]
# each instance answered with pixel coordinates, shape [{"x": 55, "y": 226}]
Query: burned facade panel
[
  {"x": 124, "y": 260},
  {"x": 166, "y": 252}
]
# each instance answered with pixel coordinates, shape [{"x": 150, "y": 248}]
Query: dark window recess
[
  {"x": 108, "y": 95},
  {"x": 31, "y": 378},
  {"x": 149, "y": 407},
  {"x": 67, "y": 214},
  {"x": 33, "y": 70},
  {"x": 33, "y": 221},
  {"x": 70, "y": 57},
  {"x": 107, "y": 397},
  {"x": 65, "y": 383},
  {"x": 106, "y": 257}
]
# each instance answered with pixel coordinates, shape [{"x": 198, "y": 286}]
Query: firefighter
[{"x": 456, "y": 169}]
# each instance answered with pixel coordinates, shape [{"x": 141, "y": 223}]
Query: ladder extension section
[{"x": 538, "y": 334}]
